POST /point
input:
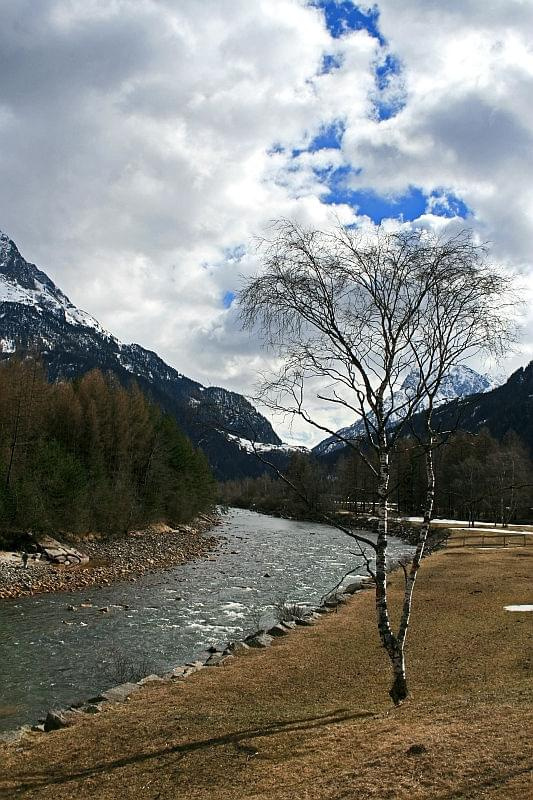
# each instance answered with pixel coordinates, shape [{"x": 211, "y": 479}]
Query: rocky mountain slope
[{"x": 36, "y": 315}]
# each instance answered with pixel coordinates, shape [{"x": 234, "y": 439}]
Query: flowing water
[{"x": 51, "y": 656}]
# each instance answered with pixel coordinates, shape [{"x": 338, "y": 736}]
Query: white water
[{"x": 50, "y": 656}]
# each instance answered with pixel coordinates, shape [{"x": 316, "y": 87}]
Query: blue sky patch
[
  {"x": 228, "y": 299},
  {"x": 389, "y": 67},
  {"x": 385, "y": 106},
  {"x": 408, "y": 206},
  {"x": 343, "y": 16},
  {"x": 448, "y": 205},
  {"x": 329, "y": 63},
  {"x": 330, "y": 137}
]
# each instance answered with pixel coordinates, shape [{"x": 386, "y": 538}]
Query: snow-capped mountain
[
  {"x": 461, "y": 381},
  {"x": 36, "y": 315}
]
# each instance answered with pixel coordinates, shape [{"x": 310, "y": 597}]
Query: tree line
[
  {"x": 479, "y": 478},
  {"x": 91, "y": 455}
]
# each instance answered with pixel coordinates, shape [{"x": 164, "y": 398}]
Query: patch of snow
[
  {"x": 462, "y": 525},
  {"x": 525, "y": 607},
  {"x": 263, "y": 447},
  {"x": 505, "y": 531},
  {"x": 41, "y": 298},
  {"x": 7, "y": 346}
]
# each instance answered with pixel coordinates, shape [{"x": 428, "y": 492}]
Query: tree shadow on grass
[{"x": 63, "y": 775}]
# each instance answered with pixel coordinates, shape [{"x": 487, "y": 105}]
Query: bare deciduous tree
[{"x": 352, "y": 314}]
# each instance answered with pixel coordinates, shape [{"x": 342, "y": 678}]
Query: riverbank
[
  {"x": 158, "y": 547},
  {"x": 310, "y": 717}
]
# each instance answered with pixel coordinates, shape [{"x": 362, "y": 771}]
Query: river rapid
[{"x": 51, "y": 656}]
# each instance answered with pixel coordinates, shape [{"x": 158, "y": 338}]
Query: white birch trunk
[{"x": 398, "y": 691}]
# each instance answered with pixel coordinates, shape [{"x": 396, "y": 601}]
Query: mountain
[
  {"x": 505, "y": 409},
  {"x": 460, "y": 381},
  {"x": 36, "y": 315}
]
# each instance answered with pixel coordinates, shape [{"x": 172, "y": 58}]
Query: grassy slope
[{"x": 310, "y": 717}]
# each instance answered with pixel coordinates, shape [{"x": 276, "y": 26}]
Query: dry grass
[{"x": 310, "y": 719}]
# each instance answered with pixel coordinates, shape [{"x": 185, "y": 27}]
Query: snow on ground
[
  {"x": 525, "y": 607},
  {"x": 506, "y": 531},
  {"x": 462, "y": 525},
  {"x": 264, "y": 447}
]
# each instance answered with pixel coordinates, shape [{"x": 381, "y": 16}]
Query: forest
[
  {"x": 91, "y": 455},
  {"x": 478, "y": 478}
]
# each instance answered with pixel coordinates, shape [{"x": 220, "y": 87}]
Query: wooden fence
[{"x": 490, "y": 540}]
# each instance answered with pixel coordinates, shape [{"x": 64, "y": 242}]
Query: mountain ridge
[
  {"x": 460, "y": 381},
  {"x": 36, "y": 315},
  {"x": 507, "y": 408}
]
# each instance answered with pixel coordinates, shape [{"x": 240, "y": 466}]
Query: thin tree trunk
[
  {"x": 399, "y": 688},
  {"x": 398, "y": 691}
]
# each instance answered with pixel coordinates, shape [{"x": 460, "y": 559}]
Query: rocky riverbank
[
  {"x": 290, "y": 617},
  {"x": 156, "y": 548},
  {"x": 310, "y": 716}
]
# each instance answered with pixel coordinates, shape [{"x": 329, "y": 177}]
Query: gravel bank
[{"x": 158, "y": 547}]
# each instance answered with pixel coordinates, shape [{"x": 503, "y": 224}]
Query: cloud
[{"x": 144, "y": 142}]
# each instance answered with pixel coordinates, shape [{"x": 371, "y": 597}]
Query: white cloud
[{"x": 137, "y": 145}]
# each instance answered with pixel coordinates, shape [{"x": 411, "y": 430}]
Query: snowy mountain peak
[
  {"x": 25, "y": 284},
  {"x": 460, "y": 381}
]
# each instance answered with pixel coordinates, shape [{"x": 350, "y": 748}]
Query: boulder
[
  {"x": 236, "y": 647},
  {"x": 55, "y": 720},
  {"x": 218, "y": 660},
  {"x": 278, "y": 630},
  {"x": 151, "y": 679},
  {"x": 260, "y": 639},
  {"x": 59, "y": 553},
  {"x": 353, "y": 587},
  {"x": 92, "y": 708},
  {"x": 119, "y": 694},
  {"x": 194, "y": 665}
]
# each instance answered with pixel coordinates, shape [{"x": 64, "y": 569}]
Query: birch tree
[{"x": 348, "y": 315}]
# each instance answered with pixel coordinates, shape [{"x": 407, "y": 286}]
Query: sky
[{"x": 145, "y": 143}]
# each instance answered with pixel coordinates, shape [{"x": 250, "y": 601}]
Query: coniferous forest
[
  {"x": 479, "y": 478},
  {"x": 91, "y": 455}
]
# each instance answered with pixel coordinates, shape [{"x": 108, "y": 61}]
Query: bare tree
[{"x": 351, "y": 314}]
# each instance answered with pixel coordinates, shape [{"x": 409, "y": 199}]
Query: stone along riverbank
[{"x": 158, "y": 547}]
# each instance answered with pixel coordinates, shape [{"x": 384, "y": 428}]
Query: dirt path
[{"x": 309, "y": 718}]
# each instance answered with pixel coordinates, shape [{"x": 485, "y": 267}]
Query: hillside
[{"x": 36, "y": 315}]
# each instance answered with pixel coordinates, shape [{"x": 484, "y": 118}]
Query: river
[{"x": 51, "y": 656}]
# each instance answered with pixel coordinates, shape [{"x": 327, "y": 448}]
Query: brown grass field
[{"x": 310, "y": 718}]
